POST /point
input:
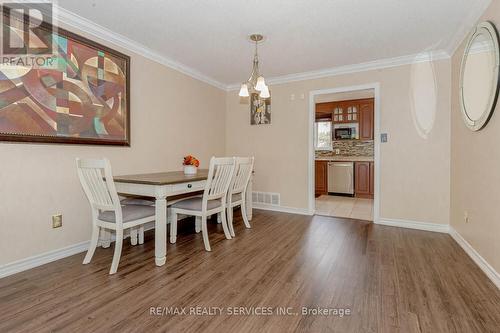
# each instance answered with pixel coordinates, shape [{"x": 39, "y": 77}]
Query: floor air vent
[{"x": 266, "y": 198}]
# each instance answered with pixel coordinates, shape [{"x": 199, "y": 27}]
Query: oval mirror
[{"x": 479, "y": 76}]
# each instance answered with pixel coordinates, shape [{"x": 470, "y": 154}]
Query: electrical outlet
[
  {"x": 57, "y": 221},
  {"x": 466, "y": 216},
  {"x": 337, "y": 151}
]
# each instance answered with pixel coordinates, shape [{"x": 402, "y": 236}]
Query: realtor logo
[{"x": 26, "y": 29}]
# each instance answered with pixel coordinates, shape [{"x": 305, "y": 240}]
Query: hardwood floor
[{"x": 391, "y": 280}]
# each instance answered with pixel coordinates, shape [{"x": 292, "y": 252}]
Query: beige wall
[
  {"x": 475, "y": 175},
  {"x": 171, "y": 115},
  {"x": 415, "y": 171}
]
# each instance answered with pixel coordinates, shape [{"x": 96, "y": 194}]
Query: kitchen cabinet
[
  {"x": 321, "y": 178},
  {"x": 345, "y": 112},
  {"x": 324, "y": 110},
  {"x": 364, "y": 179},
  {"x": 366, "y": 119},
  {"x": 358, "y": 111},
  {"x": 372, "y": 178}
]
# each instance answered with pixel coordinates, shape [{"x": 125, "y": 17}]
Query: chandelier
[{"x": 256, "y": 82}]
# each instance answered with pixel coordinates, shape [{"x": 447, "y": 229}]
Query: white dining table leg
[{"x": 161, "y": 229}]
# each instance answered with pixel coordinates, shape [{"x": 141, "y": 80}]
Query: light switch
[{"x": 383, "y": 137}]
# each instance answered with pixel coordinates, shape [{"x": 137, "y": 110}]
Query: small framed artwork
[
  {"x": 77, "y": 93},
  {"x": 260, "y": 110}
]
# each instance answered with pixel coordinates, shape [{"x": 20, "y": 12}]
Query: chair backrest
[
  {"x": 97, "y": 182},
  {"x": 219, "y": 178},
  {"x": 241, "y": 175}
]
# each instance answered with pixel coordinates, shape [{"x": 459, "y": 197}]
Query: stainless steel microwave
[{"x": 345, "y": 131}]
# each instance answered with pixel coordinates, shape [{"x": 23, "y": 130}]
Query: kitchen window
[{"x": 323, "y": 135}]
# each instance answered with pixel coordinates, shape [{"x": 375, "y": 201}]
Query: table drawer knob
[{"x": 190, "y": 185}]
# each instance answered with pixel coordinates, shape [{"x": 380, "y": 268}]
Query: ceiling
[{"x": 210, "y": 37}]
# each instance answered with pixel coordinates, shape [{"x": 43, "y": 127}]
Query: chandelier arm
[{"x": 251, "y": 83}]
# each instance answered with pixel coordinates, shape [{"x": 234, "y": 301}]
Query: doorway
[{"x": 344, "y": 152}]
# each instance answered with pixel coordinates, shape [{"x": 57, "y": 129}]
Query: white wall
[{"x": 415, "y": 169}]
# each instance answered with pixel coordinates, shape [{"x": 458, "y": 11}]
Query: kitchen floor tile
[{"x": 348, "y": 207}]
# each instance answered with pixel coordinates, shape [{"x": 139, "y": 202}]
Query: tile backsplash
[{"x": 349, "y": 148}]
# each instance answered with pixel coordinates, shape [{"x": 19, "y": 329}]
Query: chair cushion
[
  {"x": 129, "y": 213},
  {"x": 236, "y": 197},
  {"x": 195, "y": 204},
  {"x": 137, "y": 201}
]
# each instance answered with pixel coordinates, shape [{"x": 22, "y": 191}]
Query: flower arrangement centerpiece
[{"x": 191, "y": 165}]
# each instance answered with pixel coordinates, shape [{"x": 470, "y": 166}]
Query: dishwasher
[{"x": 341, "y": 177}]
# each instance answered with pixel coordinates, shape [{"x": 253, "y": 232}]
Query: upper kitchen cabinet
[
  {"x": 324, "y": 110},
  {"x": 358, "y": 111},
  {"x": 366, "y": 119},
  {"x": 345, "y": 112}
]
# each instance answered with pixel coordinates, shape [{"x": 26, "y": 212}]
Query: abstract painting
[
  {"x": 260, "y": 110},
  {"x": 80, "y": 95}
]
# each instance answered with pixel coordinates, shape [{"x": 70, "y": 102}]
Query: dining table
[{"x": 161, "y": 185}]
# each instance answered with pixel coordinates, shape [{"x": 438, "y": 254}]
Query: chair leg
[
  {"x": 141, "y": 234},
  {"x": 133, "y": 236},
  {"x": 224, "y": 224},
  {"x": 230, "y": 220},
  {"x": 118, "y": 251},
  {"x": 244, "y": 214},
  {"x": 93, "y": 244},
  {"x": 197, "y": 224},
  {"x": 204, "y": 232},
  {"x": 173, "y": 228},
  {"x": 106, "y": 238},
  {"x": 219, "y": 218}
]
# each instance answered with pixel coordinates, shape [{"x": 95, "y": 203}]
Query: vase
[{"x": 190, "y": 170}]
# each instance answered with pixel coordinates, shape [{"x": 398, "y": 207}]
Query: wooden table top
[{"x": 162, "y": 178}]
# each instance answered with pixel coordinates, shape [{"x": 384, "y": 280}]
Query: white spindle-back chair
[
  {"x": 237, "y": 190},
  {"x": 212, "y": 202},
  {"x": 107, "y": 212}
]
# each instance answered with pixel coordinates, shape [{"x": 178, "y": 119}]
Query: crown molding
[
  {"x": 466, "y": 27},
  {"x": 71, "y": 19},
  {"x": 355, "y": 68}
]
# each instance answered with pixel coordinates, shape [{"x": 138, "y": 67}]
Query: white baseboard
[
  {"x": 282, "y": 209},
  {"x": 435, "y": 227},
  {"x": 47, "y": 257},
  {"x": 42, "y": 259},
  {"x": 490, "y": 272}
]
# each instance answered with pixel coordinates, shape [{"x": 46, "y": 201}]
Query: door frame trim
[{"x": 376, "y": 137}]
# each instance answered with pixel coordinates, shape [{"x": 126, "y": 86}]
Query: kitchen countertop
[{"x": 346, "y": 158}]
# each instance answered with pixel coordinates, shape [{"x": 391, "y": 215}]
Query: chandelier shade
[
  {"x": 261, "y": 83},
  {"x": 265, "y": 92},
  {"x": 244, "y": 90}
]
